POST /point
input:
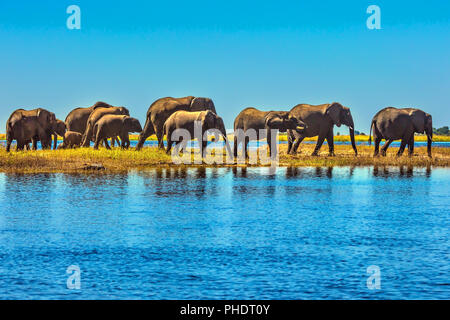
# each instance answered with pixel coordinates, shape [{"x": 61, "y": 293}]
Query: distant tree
[{"x": 444, "y": 131}]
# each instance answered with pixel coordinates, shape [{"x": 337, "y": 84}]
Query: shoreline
[{"x": 120, "y": 161}]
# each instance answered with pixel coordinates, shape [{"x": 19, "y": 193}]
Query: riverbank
[
  {"x": 283, "y": 137},
  {"x": 117, "y": 160}
]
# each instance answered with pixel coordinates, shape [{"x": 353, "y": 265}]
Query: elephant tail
[{"x": 370, "y": 133}]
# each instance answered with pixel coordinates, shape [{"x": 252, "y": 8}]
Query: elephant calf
[
  {"x": 95, "y": 116},
  {"x": 72, "y": 139},
  {"x": 262, "y": 121},
  {"x": 111, "y": 126}
]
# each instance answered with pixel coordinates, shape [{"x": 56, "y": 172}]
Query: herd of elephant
[{"x": 102, "y": 121}]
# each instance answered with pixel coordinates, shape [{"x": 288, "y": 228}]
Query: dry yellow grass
[{"x": 118, "y": 160}]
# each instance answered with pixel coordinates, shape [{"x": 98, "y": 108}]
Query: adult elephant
[
  {"x": 25, "y": 129},
  {"x": 187, "y": 120},
  {"x": 320, "y": 120},
  {"x": 95, "y": 116},
  {"x": 393, "y": 124},
  {"x": 111, "y": 125},
  {"x": 262, "y": 122},
  {"x": 160, "y": 110},
  {"x": 46, "y": 121},
  {"x": 77, "y": 119}
]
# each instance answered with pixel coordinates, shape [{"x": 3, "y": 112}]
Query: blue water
[{"x": 227, "y": 233}]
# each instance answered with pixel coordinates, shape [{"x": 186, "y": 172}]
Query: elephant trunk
[
  {"x": 429, "y": 141},
  {"x": 227, "y": 145},
  {"x": 145, "y": 133},
  {"x": 225, "y": 139},
  {"x": 352, "y": 138}
]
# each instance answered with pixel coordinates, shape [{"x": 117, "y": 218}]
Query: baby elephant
[
  {"x": 72, "y": 139},
  {"x": 111, "y": 126}
]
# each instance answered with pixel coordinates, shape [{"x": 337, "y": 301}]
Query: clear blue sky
[{"x": 266, "y": 54}]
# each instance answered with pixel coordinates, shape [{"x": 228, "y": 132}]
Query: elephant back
[{"x": 202, "y": 104}]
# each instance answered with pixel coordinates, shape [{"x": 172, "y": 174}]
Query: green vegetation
[{"x": 442, "y": 131}]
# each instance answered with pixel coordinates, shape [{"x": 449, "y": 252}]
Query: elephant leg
[
  {"x": 170, "y": 142},
  {"x": 402, "y": 147},
  {"x": 55, "y": 141},
  {"x": 269, "y": 145},
  {"x": 160, "y": 137},
  {"x": 330, "y": 141},
  {"x": 297, "y": 144},
  {"x": 377, "y": 146},
  {"x": 385, "y": 147},
  {"x": 34, "y": 140},
  {"x": 204, "y": 145},
  {"x": 125, "y": 141},
  {"x": 106, "y": 144},
  {"x": 8, "y": 145},
  {"x": 97, "y": 143},
  {"x": 291, "y": 139},
  {"x": 320, "y": 141},
  {"x": 246, "y": 141},
  {"x": 235, "y": 146},
  {"x": 411, "y": 146}
]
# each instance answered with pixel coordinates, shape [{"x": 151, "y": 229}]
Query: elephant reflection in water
[
  {"x": 294, "y": 172},
  {"x": 389, "y": 172},
  {"x": 320, "y": 173},
  {"x": 240, "y": 172}
]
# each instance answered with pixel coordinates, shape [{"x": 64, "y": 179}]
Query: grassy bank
[
  {"x": 283, "y": 137},
  {"x": 118, "y": 160}
]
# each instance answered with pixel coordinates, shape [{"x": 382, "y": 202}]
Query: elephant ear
[
  {"x": 334, "y": 111},
  {"x": 202, "y": 104},
  {"x": 220, "y": 124},
  {"x": 418, "y": 119},
  {"x": 126, "y": 121},
  {"x": 273, "y": 120},
  {"x": 42, "y": 115},
  {"x": 198, "y": 104}
]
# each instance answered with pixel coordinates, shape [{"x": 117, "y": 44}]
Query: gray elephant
[
  {"x": 251, "y": 118},
  {"x": 26, "y": 129},
  {"x": 110, "y": 126},
  {"x": 393, "y": 124},
  {"x": 187, "y": 120},
  {"x": 96, "y": 115},
  {"x": 72, "y": 139},
  {"x": 77, "y": 119},
  {"x": 320, "y": 120},
  {"x": 58, "y": 130},
  {"x": 45, "y": 122},
  {"x": 160, "y": 110}
]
